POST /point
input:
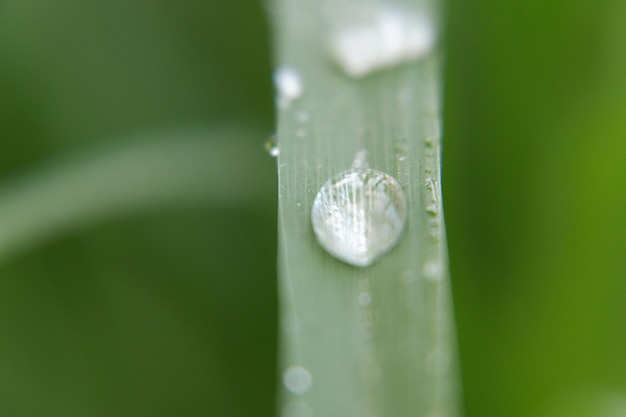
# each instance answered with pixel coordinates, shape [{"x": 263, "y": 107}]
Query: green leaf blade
[
  {"x": 377, "y": 341},
  {"x": 153, "y": 171}
]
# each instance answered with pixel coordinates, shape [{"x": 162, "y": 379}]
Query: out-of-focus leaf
[{"x": 186, "y": 168}]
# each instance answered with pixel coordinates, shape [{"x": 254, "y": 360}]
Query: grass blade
[
  {"x": 152, "y": 172},
  {"x": 360, "y": 342}
]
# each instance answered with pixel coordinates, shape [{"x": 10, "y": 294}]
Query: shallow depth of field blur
[{"x": 170, "y": 309}]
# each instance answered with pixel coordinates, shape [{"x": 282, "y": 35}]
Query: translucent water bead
[
  {"x": 289, "y": 86},
  {"x": 359, "y": 214},
  {"x": 378, "y": 36}
]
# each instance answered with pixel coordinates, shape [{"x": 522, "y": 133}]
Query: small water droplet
[
  {"x": 432, "y": 270},
  {"x": 271, "y": 146},
  {"x": 382, "y": 36},
  {"x": 300, "y": 133},
  {"x": 360, "y": 160},
  {"x": 289, "y": 85},
  {"x": 297, "y": 379},
  {"x": 364, "y": 299},
  {"x": 359, "y": 214}
]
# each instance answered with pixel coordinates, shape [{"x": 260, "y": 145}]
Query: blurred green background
[{"x": 171, "y": 311}]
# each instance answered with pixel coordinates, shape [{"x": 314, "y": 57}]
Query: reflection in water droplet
[
  {"x": 381, "y": 37},
  {"x": 271, "y": 146},
  {"x": 289, "y": 85},
  {"x": 359, "y": 215},
  {"x": 297, "y": 379}
]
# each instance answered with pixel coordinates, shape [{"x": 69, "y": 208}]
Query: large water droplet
[
  {"x": 289, "y": 85},
  {"x": 382, "y": 36},
  {"x": 359, "y": 215},
  {"x": 297, "y": 379}
]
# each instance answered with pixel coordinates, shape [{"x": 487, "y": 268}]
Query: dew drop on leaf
[
  {"x": 380, "y": 36},
  {"x": 271, "y": 146},
  {"x": 288, "y": 85},
  {"x": 297, "y": 379},
  {"x": 359, "y": 215}
]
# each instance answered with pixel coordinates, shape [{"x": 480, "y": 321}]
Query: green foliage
[
  {"x": 136, "y": 277},
  {"x": 534, "y": 194},
  {"x": 171, "y": 310}
]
